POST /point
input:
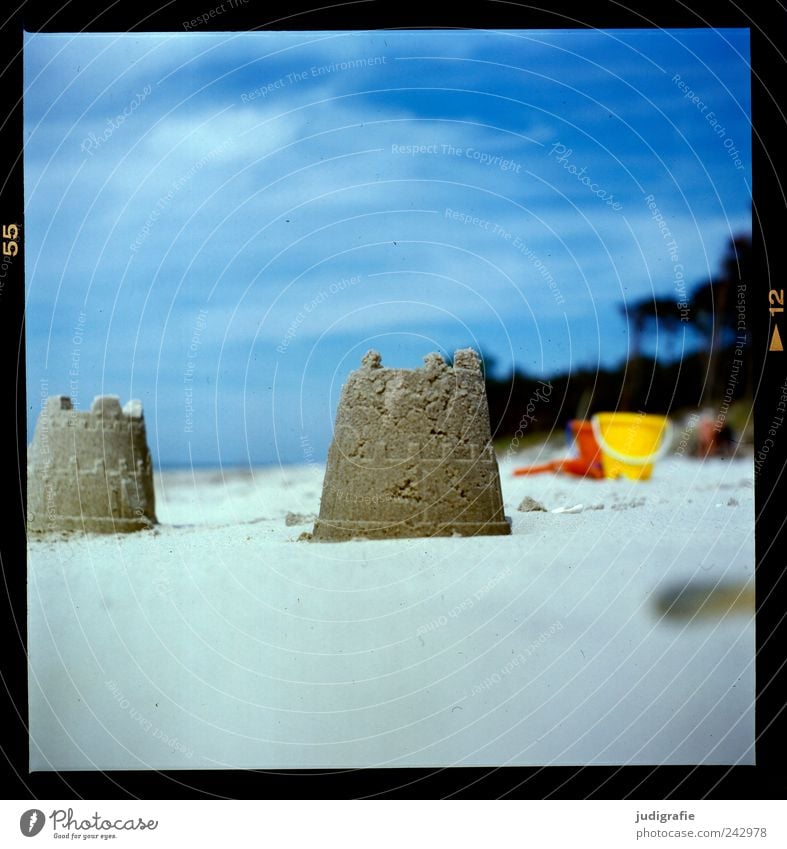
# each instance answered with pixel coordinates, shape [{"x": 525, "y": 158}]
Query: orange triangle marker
[{"x": 776, "y": 340}]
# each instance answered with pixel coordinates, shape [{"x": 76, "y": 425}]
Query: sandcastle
[
  {"x": 411, "y": 455},
  {"x": 90, "y": 470}
]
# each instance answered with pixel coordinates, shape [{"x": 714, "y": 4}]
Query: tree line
[{"x": 705, "y": 358}]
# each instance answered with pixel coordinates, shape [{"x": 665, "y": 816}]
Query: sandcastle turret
[
  {"x": 90, "y": 470},
  {"x": 411, "y": 454}
]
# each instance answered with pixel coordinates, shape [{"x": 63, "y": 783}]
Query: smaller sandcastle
[
  {"x": 90, "y": 470},
  {"x": 411, "y": 454}
]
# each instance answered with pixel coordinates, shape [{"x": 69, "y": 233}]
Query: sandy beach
[{"x": 218, "y": 640}]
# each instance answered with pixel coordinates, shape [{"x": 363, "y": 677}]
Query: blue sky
[{"x": 221, "y": 224}]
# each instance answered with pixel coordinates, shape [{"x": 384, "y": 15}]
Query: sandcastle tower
[
  {"x": 411, "y": 454},
  {"x": 91, "y": 470}
]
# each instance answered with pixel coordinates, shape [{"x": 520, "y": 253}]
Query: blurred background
[{"x": 221, "y": 224}]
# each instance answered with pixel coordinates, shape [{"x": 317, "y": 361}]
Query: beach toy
[
  {"x": 579, "y": 435},
  {"x": 569, "y": 465},
  {"x": 412, "y": 455},
  {"x": 631, "y": 443},
  {"x": 713, "y": 441},
  {"x": 90, "y": 470}
]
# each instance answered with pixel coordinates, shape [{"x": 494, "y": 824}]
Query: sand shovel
[
  {"x": 570, "y": 465},
  {"x": 587, "y": 465}
]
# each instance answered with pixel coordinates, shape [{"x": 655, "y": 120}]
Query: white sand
[{"x": 220, "y": 641}]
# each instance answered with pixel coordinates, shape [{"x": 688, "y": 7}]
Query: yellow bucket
[{"x": 631, "y": 443}]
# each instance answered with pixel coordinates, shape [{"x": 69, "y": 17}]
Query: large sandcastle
[
  {"x": 90, "y": 470},
  {"x": 411, "y": 454}
]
